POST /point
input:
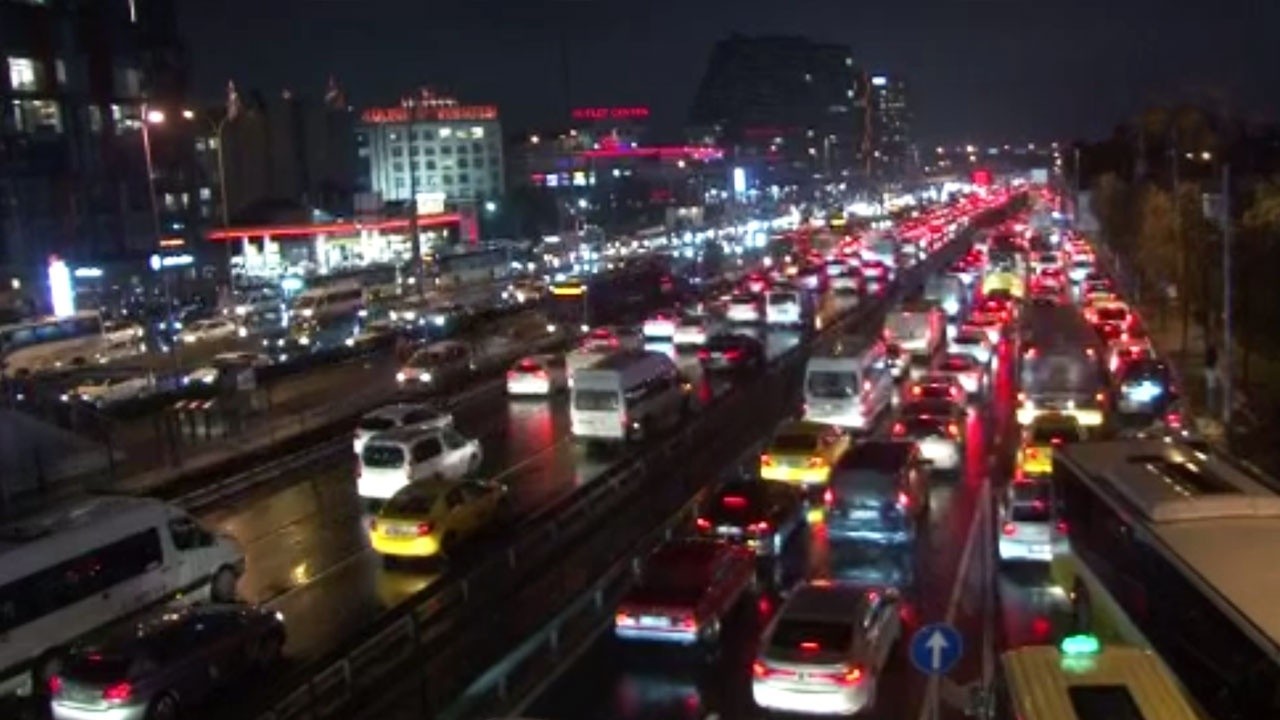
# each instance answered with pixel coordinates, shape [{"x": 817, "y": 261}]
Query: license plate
[
  {"x": 729, "y": 530},
  {"x": 1039, "y": 549},
  {"x": 654, "y": 621},
  {"x": 401, "y": 531},
  {"x": 863, "y": 514}
]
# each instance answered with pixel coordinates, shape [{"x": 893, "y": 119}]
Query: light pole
[
  {"x": 152, "y": 116},
  {"x": 1227, "y": 241}
]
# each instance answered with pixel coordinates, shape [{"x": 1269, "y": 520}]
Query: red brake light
[
  {"x": 766, "y": 460},
  {"x": 623, "y": 619},
  {"x": 953, "y": 429},
  {"x": 1022, "y": 397},
  {"x": 733, "y": 501},
  {"x": 423, "y": 529},
  {"x": 1009, "y": 529},
  {"x": 916, "y": 390},
  {"x": 808, "y": 646},
  {"x": 703, "y": 523},
  {"x": 759, "y": 669},
  {"x": 55, "y": 685},
  {"x": 1062, "y": 526},
  {"x": 118, "y": 693},
  {"x": 1055, "y": 441},
  {"x": 955, "y": 392},
  {"x": 703, "y": 354},
  {"x": 899, "y": 429},
  {"x": 1173, "y": 419},
  {"x": 852, "y": 676},
  {"x": 759, "y": 528},
  {"x": 828, "y": 497},
  {"x": 904, "y": 500}
]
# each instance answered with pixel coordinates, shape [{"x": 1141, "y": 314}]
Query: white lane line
[{"x": 529, "y": 460}]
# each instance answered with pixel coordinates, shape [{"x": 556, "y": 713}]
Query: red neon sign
[
  {"x": 400, "y": 114},
  {"x": 337, "y": 228},
  {"x": 702, "y": 154},
  {"x": 610, "y": 113}
]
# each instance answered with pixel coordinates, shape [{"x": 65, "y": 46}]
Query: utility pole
[
  {"x": 1180, "y": 241},
  {"x": 419, "y": 265},
  {"x": 1228, "y": 233}
]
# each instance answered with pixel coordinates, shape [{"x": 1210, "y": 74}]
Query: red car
[{"x": 687, "y": 588}]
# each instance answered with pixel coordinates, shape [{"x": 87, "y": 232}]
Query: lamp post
[{"x": 152, "y": 116}]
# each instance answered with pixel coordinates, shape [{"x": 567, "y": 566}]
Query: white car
[
  {"x": 104, "y": 391},
  {"x": 971, "y": 341},
  {"x": 537, "y": 375},
  {"x": 207, "y": 330},
  {"x": 825, "y": 650},
  {"x": 436, "y": 364},
  {"x": 743, "y": 309},
  {"x": 971, "y": 374},
  {"x": 692, "y": 331},
  {"x": 395, "y": 416},
  {"x": 209, "y": 374},
  {"x": 613, "y": 338},
  {"x": 390, "y": 460},
  {"x": 661, "y": 325}
]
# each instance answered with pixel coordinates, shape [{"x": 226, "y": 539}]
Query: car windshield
[
  {"x": 596, "y": 400},
  {"x": 1055, "y": 434},
  {"x": 783, "y": 298},
  {"x": 831, "y": 384},
  {"x": 382, "y": 456},
  {"x": 97, "y": 668},
  {"x": 375, "y": 424},
  {"x": 415, "y": 501},
  {"x": 794, "y": 442},
  {"x": 800, "y": 634},
  {"x": 1029, "y": 502},
  {"x": 736, "y": 504},
  {"x": 1112, "y": 314}
]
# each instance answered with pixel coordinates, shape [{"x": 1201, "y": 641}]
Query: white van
[
  {"x": 786, "y": 307},
  {"x": 627, "y": 396},
  {"x": 393, "y": 459},
  {"x": 69, "y": 571},
  {"x": 850, "y": 387},
  {"x": 329, "y": 302}
]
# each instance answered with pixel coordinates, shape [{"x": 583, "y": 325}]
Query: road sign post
[{"x": 936, "y": 648}]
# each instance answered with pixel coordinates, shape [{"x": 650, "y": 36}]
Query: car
[
  {"x": 944, "y": 410},
  {"x": 209, "y": 330},
  {"x": 732, "y": 351},
  {"x": 966, "y": 370},
  {"x": 939, "y": 438},
  {"x": 691, "y": 331},
  {"x": 802, "y": 452},
  {"x": 390, "y": 460},
  {"x": 743, "y": 308},
  {"x": 436, "y": 365},
  {"x": 209, "y": 374},
  {"x": 660, "y": 325},
  {"x": 167, "y": 663},
  {"x": 1026, "y": 532},
  {"x": 685, "y": 591},
  {"x": 1126, "y": 349},
  {"x": 395, "y": 416},
  {"x": 876, "y": 272},
  {"x": 826, "y": 648},
  {"x": 1110, "y": 319},
  {"x": 1000, "y": 304},
  {"x": 989, "y": 323},
  {"x": 433, "y": 517},
  {"x": 760, "y": 514},
  {"x": 612, "y": 338},
  {"x": 106, "y": 390},
  {"x": 537, "y": 375},
  {"x": 972, "y": 340},
  {"x": 1146, "y": 387},
  {"x": 879, "y": 492},
  {"x": 1035, "y": 451},
  {"x": 937, "y": 386}
]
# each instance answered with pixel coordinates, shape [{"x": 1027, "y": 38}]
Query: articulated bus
[
  {"x": 1164, "y": 547},
  {"x": 1083, "y": 680},
  {"x": 611, "y": 297},
  {"x": 1060, "y": 366}
]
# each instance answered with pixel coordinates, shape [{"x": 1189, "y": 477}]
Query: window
[
  {"x": 477, "y": 148},
  {"x": 429, "y": 150},
  {"x": 595, "y": 400},
  {"x": 446, "y": 132},
  {"x": 397, "y": 151},
  {"x": 463, "y": 164},
  {"x": 188, "y": 535},
  {"x": 463, "y": 178},
  {"x": 427, "y": 449},
  {"x": 36, "y": 115},
  {"x": 446, "y": 179},
  {"x": 397, "y": 167},
  {"x": 60, "y": 71},
  {"x": 478, "y": 162},
  {"x": 446, "y": 149},
  {"x": 95, "y": 119},
  {"x": 128, "y": 82},
  {"x": 477, "y": 132},
  {"x": 24, "y": 74},
  {"x": 70, "y": 581},
  {"x": 431, "y": 164}
]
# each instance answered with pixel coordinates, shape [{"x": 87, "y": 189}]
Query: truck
[
  {"x": 1060, "y": 366},
  {"x": 914, "y": 332}
]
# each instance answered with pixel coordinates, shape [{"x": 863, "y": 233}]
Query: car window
[
  {"x": 188, "y": 535},
  {"x": 382, "y": 456},
  {"x": 427, "y": 449},
  {"x": 453, "y": 439}
]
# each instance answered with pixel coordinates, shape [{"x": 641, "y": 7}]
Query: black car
[
  {"x": 879, "y": 492},
  {"x": 1145, "y": 387},
  {"x": 761, "y": 514},
  {"x": 731, "y": 351}
]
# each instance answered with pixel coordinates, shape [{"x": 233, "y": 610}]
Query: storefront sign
[
  {"x": 401, "y": 114},
  {"x": 596, "y": 114}
]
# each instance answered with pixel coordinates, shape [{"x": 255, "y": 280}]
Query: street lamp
[
  {"x": 490, "y": 206},
  {"x": 152, "y": 116}
]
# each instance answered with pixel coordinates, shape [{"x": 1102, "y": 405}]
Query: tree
[
  {"x": 1256, "y": 300},
  {"x": 1112, "y": 204}
]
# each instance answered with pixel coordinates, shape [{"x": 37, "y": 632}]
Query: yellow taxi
[
  {"x": 1004, "y": 282},
  {"x": 1039, "y": 438},
  {"x": 802, "y": 453},
  {"x": 427, "y": 519}
]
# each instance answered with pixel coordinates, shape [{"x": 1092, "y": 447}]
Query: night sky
[{"x": 981, "y": 70}]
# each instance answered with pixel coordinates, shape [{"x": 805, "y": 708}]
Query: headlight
[
  {"x": 551, "y": 327},
  {"x": 308, "y": 312},
  {"x": 350, "y": 342},
  {"x": 439, "y": 320},
  {"x": 64, "y": 397},
  {"x": 424, "y": 377},
  {"x": 400, "y": 377},
  {"x": 304, "y": 340},
  {"x": 242, "y": 331}
]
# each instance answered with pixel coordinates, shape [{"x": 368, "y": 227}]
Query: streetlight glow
[
  {"x": 155, "y": 117},
  {"x": 188, "y": 114},
  {"x": 1206, "y": 156}
]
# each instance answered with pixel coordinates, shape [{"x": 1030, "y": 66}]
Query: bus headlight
[{"x": 400, "y": 377}]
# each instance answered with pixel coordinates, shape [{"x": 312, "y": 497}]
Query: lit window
[
  {"x": 60, "y": 71},
  {"x": 128, "y": 81},
  {"x": 477, "y": 132},
  {"x": 213, "y": 143},
  {"x": 23, "y": 73},
  {"x": 36, "y": 115},
  {"x": 446, "y": 132},
  {"x": 206, "y": 194},
  {"x": 95, "y": 119}
]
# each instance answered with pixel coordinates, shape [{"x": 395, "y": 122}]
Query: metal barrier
[{"x": 534, "y": 561}]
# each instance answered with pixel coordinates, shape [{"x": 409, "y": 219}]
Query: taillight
[
  {"x": 423, "y": 529},
  {"x": 766, "y": 460},
  {"x": 55, "y": 685},
  {"x": 623, "y": 619},
  {"x": 759, "y": 528},
  {"x": 1062, "y": 526},
  {"x": 118, "y": 693},
  {"x": 955, "y": 393},
  {"x": 1100, "y": 397},
  {"x": 852, "y": 676},
  {"x": 816, "y": 463},
  {"x": 1009, "y": 529},
  {"x": 1173, "y": 419},
  {"x": 828, "y": 497},
  {"x": 904, "y": 500},
  {"x": 899, "y": 429},
  {"x": 759, "y": 669},
  {"x": 704, "y": 354},
  {"x": 916, "y": 390},
  {"x": 953, "y": 429},
  {"x": 1022, "y": 397},
  {"x": 702, "y": 523}
]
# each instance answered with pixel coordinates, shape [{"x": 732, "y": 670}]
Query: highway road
[
  {"x": 626, "y": 681},
  {"x": 304, "y": 532}
]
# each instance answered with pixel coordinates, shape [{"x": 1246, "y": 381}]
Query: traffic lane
[
  {"x": 306, "y": 546},
  {"x": 613, "y": 679}
]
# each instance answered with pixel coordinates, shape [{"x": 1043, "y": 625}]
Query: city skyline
[{"x": 980, "y": 71}]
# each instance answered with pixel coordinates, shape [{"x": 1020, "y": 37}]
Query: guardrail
[{"x": 421, "y": 629}]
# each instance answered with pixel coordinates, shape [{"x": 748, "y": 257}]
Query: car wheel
[
  {"x": 222, "y": 588},
  {"x": 164, "y": 707}
]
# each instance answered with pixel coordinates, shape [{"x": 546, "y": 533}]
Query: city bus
[
  {"x": 1162, "y": 546},
  {"x": 1060, "y": 366},
  {"x": 57, "y": 343},
  {"x": 1082, "y": 680},
  {"x": 473, "y": 265}
]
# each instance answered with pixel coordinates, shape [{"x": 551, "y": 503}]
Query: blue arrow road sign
[{"x": 936, "y": 648}]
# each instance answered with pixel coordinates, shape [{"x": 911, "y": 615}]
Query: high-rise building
[
  {"x": 787, "y": 109},
  {"x": 431, "y": 145},
  {"x": 75, "y": 76},
  {"x": 889, "y": 127}
]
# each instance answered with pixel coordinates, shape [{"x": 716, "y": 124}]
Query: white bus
[
  {"x": 70, "y": 571},
  {"x": 851, "y": 386},
  {"x": 329, "y": 302},
  {"x": 57, "y": 343},
  {"x": 627, "y": 396},
  {"x": 1173, "y": 549}
]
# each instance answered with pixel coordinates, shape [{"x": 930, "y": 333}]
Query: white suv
[
  {"x": 391, "y": 460},
  {"x": 398, "y": 415}
]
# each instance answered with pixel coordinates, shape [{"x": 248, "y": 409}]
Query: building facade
[
  {"x": 889, "y": 123},
  {"x": 787, "y": 109},
  {"x": 75, "y": 79},
  {"x": 431, "y": 145}
]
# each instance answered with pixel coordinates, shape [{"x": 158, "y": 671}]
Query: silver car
[{"x": 156, "y": 669}]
